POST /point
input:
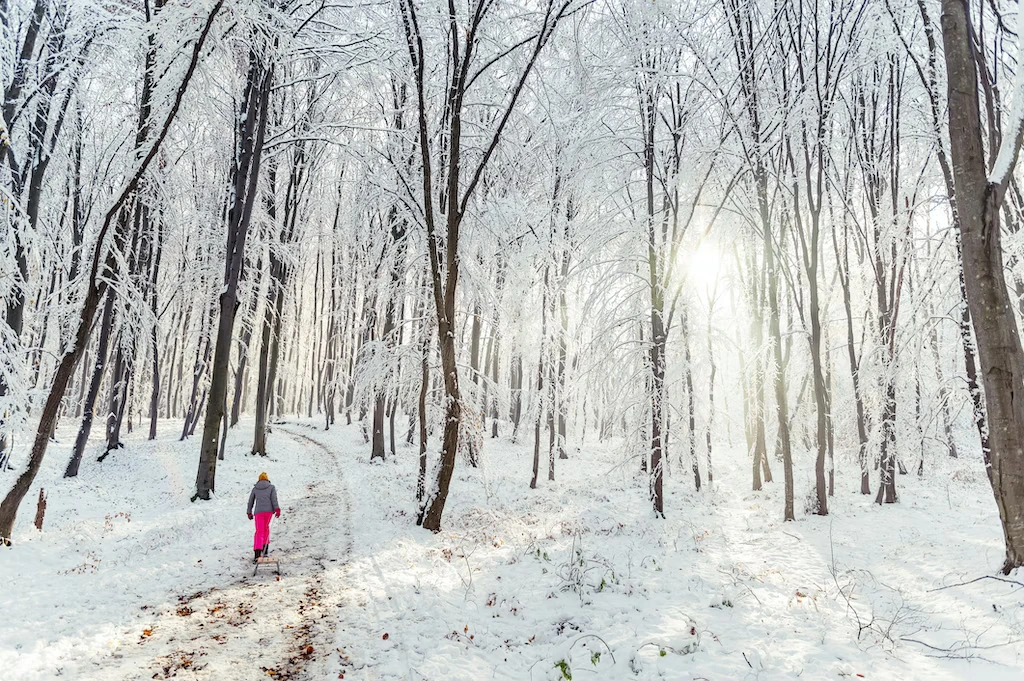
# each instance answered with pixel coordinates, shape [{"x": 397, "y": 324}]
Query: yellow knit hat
[{"x": 263, "y": 476}]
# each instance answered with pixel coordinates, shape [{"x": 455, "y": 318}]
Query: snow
[
  {"x": 131, "y": 580},
  {"x": 576, "y": 575},
  {"x": 1009, "y": 146}
]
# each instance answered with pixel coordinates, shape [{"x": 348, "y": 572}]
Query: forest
[{"x": 574, "y": 292}]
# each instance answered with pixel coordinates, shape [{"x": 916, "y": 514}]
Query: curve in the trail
[
  {"x": 329, "y": 583},
  {"x": 264, "y": 626}
]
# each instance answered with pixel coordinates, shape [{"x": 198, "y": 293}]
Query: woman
[{"x": 264, "y": 498}]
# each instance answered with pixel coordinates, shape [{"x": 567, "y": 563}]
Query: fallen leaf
[{"x": 385, "y": 636}]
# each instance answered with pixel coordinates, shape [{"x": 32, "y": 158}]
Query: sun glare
[{"x": 703, "y": 266}]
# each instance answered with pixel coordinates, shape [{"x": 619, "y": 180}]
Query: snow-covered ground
[{"x": 129, "y": 580}]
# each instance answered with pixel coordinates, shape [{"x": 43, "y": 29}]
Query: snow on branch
[{"x": 1014, "y": 132}]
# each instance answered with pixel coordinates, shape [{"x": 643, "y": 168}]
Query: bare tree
[
  {"x": 252, "y": 119},
  {"x": 746, "y": 44},
  {"x": 464, "y": 67},
  {"x": 96, "y": 288},
  {"x": 979, "y": 196}
]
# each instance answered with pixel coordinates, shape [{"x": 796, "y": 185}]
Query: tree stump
[{"x": 40, "y": 510}]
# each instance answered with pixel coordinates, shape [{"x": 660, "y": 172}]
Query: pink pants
[{"x": 262, "y": 537}]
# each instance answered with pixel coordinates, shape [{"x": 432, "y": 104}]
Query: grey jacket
[{"x": 264, "y": 496}]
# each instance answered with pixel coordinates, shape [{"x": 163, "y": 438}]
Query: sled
[{"x": 268, "y": 561}]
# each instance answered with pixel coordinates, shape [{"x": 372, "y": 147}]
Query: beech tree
[
  {"x": 252, "y": 129},
  {"x": 980, "y": 192},
  {"x": 464, "y": 68}
]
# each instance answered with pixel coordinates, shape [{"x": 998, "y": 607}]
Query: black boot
[{"x": 255, "y": 555}]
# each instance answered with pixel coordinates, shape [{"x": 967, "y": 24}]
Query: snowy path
[
  {"x": 130, "y": 580},
  {"x": 262, "y": 626}
]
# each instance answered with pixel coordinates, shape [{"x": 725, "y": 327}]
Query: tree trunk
[
  {"x": 516, "y": 387},
  {"x": 563, "y": 334},
  {"x": 540, "y": 381},
  {"x": 843, "y": 265},
  {"x": 494, "y": 382},
  {"x": 691, "y": 406},
  {"x": 377, "y": 451},
  {"x": 380, "y": 403},
  {"x": 94, "y": 388},
  {"x": 828, "y": 419},
  {"x": 259, "y": 445},
  {"x": 711, "y": 388},
  {"x": 821, "y": 406},
  {"x": 206, "y": 476},
  {"x": 755, "y": 397},
  {"x": 253, "y": 125},
  {"x": 485, "y": 386},
  {"x": 421, "y": 478},
  {"x": 223, "y": 429},
  {"x": 154, "y": 395},
  {"x": 991, "y": 308},
  {"x": 887, "y": 461},
  {"x": 198, "y": 371},
  {"x": 749, "y": 78},
  {"x": 474, "y": 363},
  {"x": 244, "y": 345},
  {"x": 118, "y": 394},
  {"x": 657, "y": 393},
  {"x": 154, "y": 398},
  {"x": 444, "y": 276},
  {"x": 781, "y": 400},
  {"x": 552, "y": 432}
]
